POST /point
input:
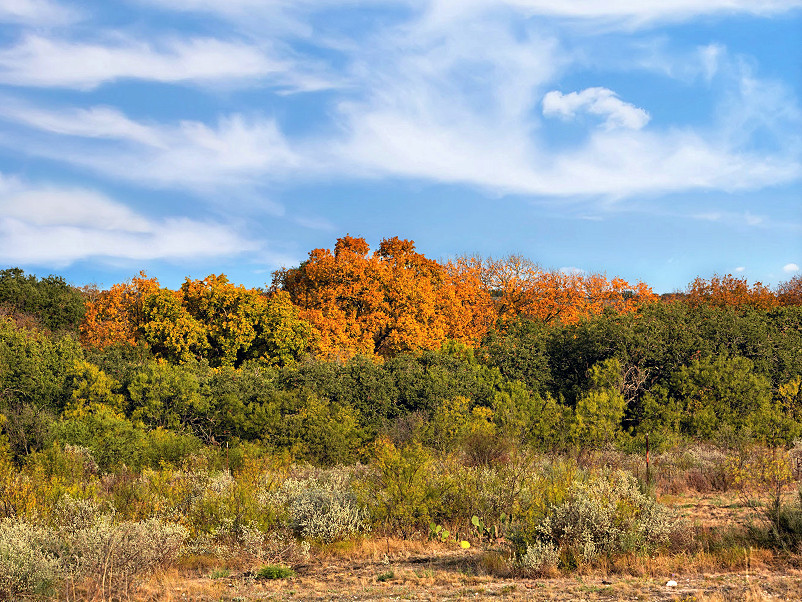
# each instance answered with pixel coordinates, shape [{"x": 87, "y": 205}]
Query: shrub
[
  {"x": 112, "y": 440},
  {"x": 321, "y": 505},
  {"x": 112, "y": 556},
  {"x": 29, "y": 560},
  {"x": 326, "y": 514},
  {"x": 403, "y": 492},
  {"x": 600, "y": 514},
  {"x": 762, "y": 476},
  {"x": 540, "y": 557},
  {"x": 274, "y": 572},
  {"x": 492, "y": 492}
]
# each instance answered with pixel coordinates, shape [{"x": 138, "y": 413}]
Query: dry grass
[
  {"x": 393, "y": 569},
  {"x": 428, "y": 581},
  {"x": 710, "y": 565}
]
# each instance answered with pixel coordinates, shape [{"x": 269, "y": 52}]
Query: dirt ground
[
  {"x": 451, "y": 576},
  {"x": 417, "y": 570}
]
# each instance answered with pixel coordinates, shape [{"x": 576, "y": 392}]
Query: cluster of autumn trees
[
  {"x": 345, "y": 303},
  {"x": 352, "y": 344},
  {"x": 210, "y": 318}
]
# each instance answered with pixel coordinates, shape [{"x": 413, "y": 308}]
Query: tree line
[{"x": 474, "y": 354}]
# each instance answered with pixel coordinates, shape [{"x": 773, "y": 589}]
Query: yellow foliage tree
[
  {"x": 209, "y": 318},
  {"x": 93, "y": 392}
]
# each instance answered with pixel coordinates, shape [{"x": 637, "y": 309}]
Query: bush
[
  {"x": 113, "y": 556},
  {"x": 29, "y": 560},
  {"x": 402, "y": 493},
  {"x": 599, "y": 514},
  {"x": 325, "y": 514},
  {"x": 540, "y": 557},
  {"x": 762, "y": 476},
  {"x": 83, "y": 545},
  {"x": 321, "y": 504},
  {"x": 274, "y": 572},
  {"x": 112, "y": 440}
]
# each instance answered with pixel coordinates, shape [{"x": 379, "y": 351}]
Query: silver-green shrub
[
  {"x": 321, "y": 505},
  {"x": 326, "y": 514},
  {"x": 30, "y": 560},
  {"x": 116, "y": 554},
  {"x": 83, "y": 545},
  {"x": 540, "y": 556},
  {"x": 600, "y": 514}
]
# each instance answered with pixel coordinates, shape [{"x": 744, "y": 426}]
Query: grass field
[{"x": 416, "y": 569}]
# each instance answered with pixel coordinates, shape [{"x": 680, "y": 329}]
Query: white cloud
[
  {"x": 454, "y": 102},
  {"x": 733, "y": 218},
  {"x": 710, "y": 57},
  {"x": 619, "y": 163},
  {"x": 42, "y": 62},
  {"x": 94, "y": 122},
  {"x": 632, "y": 11},
  {"x": 646, "y": 10},
  {"x": 236, "y": 151},
  {"x": 56, "y": 227},
  {"x": 790, "y": 268},
  {"x": 740, "y": 269},
  {"x": 597, "y": 101},
  {"x": 430, "y": 98},
  {"x": 69, "y": 207},
  {"x": 315, "y": 223},
  {"x": 36, "y": 12}
]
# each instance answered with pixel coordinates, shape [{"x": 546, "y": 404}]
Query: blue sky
[{"x": 654, "y": 140}]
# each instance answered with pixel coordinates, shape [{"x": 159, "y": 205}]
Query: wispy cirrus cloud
[
  {"x": 101, "y": 122},
  {"x": 49, "y": 62},
  {"x": 418, "y": 118},
  {"x": 644, "y": 11},
  {"x": 234, "y": 152},
  {"x": 457, "y": 100},
  {"x": 37, "y": 13},
  {"x": 745, "y": 218},
  {"x": 633, "y": 11},
  {"x": 57, "y": 226}
]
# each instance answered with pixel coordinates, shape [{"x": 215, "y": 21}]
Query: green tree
[
  {"x": 113, "y": 440},
  {"x": 34, "y": 372},
  {"x": 598, "y": 413},
  {"x": 168, "y": 396},
  {"x": 92, "y": 391},
  {"x": 51, "y": 302},
  {"x": 520, "y": 351},
  {"x": 525, "y": 416},
  {"x": 724, "y": 394}
]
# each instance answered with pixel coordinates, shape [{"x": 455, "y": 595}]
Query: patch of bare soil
[
  {"x": 439, "y": 574},
  {"x": 413, "y": 570}
]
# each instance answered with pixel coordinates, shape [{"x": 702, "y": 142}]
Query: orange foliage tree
[
  {"x": 116, "y": 315},
  {"x": 520, "y": 287},
  {"x": 383, "y": 303},
  {"x": 790, "y": 293},
  {"x": 729, "y": 291}
]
